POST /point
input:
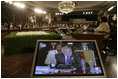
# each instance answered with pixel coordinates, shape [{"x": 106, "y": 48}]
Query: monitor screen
[{"x": 67, "y": 58}]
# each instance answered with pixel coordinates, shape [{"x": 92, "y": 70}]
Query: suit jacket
[{"x": 75, "y": 60}]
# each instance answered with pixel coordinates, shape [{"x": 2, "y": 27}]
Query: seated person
[
  {"x": 103, "y": 27},
  {"x": 51, "y": 55},
  {"x": 85, "y": 27},
  {"x": 67, "y": 57}
]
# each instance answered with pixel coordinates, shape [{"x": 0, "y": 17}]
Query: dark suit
[{"x": 75, "y": 60}]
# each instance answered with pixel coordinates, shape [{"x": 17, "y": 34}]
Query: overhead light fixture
[
  {"x": 83, "y": 12},
  {"x": 39, "y": 11},
  {"x": 66, "y": 6},
  {"x": 87, "y": 12},
  {"x": 59, "y": 13},
  {"x": 20, "y": 5},
  {"x": 7, "y": 1},
  {"x": 10, "y": 2},
  {"x": 111, "y": 8}
]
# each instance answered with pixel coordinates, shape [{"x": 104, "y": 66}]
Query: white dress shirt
[{"x": 50, "y": 56}]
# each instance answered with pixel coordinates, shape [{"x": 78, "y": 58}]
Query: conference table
[{"x": 99, "y": 37}]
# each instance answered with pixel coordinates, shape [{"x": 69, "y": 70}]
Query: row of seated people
[
  {"x": 12, "y": 26},
  {"x": 104, "y": 26}
]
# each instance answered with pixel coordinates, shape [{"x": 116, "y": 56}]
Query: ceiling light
[
  {"x": 55, "y": 13},
  {"x": 20, "y": 5},
  {"x": 59, "y": 13},
  {"x": 10, "y": 2},
  {"x": 111, "y": 8},
  {"x": 39, "y": 11},
  {"x": 87, "y": 12},
  {"x": 83, "y": 12},
  {"x": 66, "y": 6},
  {"x": 7, "y": 1}
]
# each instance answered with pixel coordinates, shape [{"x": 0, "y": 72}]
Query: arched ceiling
[{"x": 52, "y": 6}]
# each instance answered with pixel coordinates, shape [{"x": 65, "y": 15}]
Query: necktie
[{"x": 67, "y": 60}]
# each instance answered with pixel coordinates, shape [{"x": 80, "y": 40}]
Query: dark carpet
[
  {"x": 19, "y": 66},
  {"x": 16, "y": 66}
]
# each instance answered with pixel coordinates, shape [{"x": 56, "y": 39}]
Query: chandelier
[{"x": 66, "y": 6}]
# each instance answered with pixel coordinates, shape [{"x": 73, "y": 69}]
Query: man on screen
[{"x": 67, "y": 57}]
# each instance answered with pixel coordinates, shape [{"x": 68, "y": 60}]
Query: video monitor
[{"x": 67, "y": 58}]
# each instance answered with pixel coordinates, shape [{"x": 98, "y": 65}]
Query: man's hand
[{"x": 53, "y": 61}]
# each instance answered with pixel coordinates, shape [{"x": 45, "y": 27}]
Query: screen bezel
[{"x": 47, "y": 76}]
